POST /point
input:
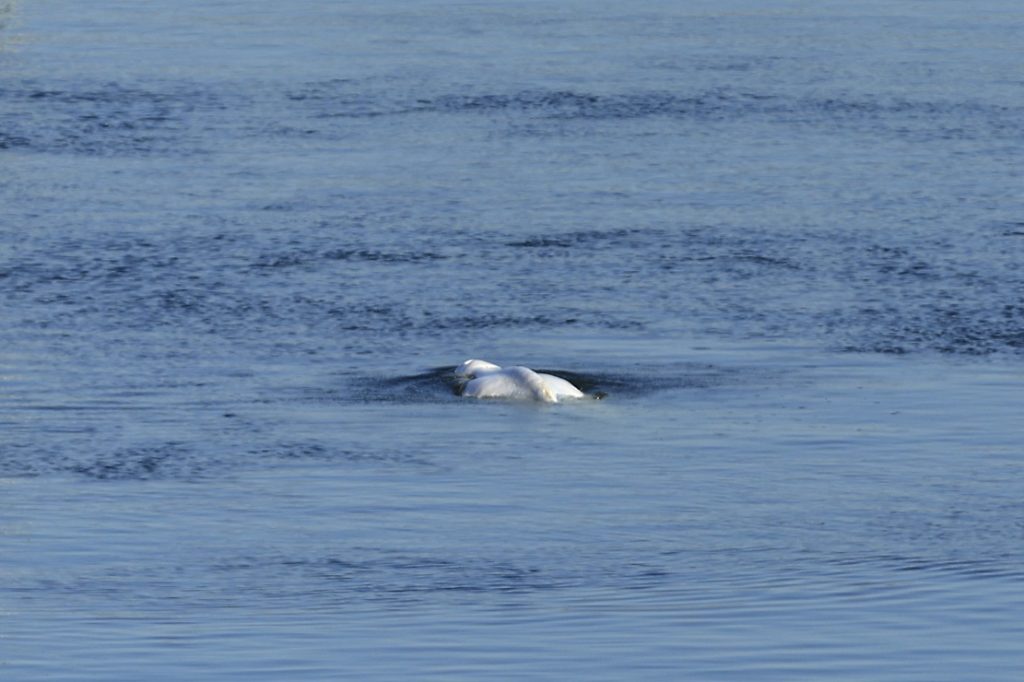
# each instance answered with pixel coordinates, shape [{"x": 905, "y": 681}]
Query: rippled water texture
[{"x": 243, "y": 245}]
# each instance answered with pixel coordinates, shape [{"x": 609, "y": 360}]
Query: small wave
[
  {"x": 620, "y": 237},
  {"x": 366, "y": 573},
  {"x": 185, "y": 461},
  {"x": 169, "y": 460},
  {"x": 980, "y": 567},
  {"x": 947, "y": 119},
  {"x": 293, "y": 259},
  {"x": 105, "y": 119}
]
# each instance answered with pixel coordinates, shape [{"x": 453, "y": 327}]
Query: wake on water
[{"x": 442, "y": 383}]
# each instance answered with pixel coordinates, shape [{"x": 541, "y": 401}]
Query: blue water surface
[{"x": 244, "y": 244}]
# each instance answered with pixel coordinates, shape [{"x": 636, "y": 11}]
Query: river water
[{"x": 243, "y": 244}]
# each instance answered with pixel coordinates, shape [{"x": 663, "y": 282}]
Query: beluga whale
[{"x": 482, "y": 379}]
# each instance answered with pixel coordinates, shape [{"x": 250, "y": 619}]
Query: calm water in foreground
[{"x": 242, "y": 244}]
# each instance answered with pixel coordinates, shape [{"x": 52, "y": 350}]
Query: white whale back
[
  {"x": 510, "y": 382},
  {"x": 487, "y": 380}
]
